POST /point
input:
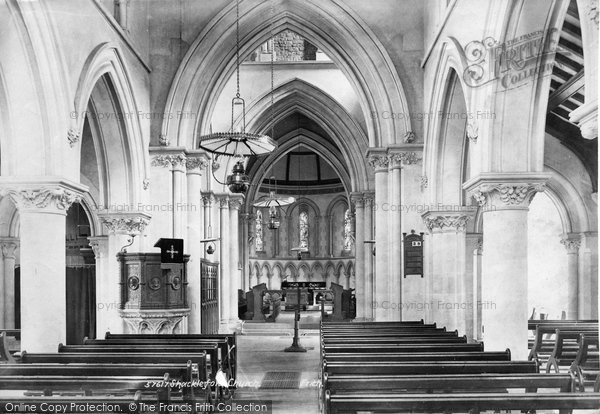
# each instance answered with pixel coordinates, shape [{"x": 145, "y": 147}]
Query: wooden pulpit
[{"x": 153, "y": 293}]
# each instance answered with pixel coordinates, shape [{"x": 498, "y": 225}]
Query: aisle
[{"x": 265, "y": 372}]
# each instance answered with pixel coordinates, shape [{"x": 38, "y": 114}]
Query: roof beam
[{"x": 565, "y": 91}]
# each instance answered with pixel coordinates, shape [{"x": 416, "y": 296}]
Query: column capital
[
  {"x": 8, "y": 246},
  {"x": 572, "y": 242},
  {"x": 127, "y": 222},
  {"x": 99, "y": 245},
  {"x": 236, "y": 201},
  {"x": 506, "y": 191},
  {"x": 357, "y": 199},
  {"x": 223, "y": 200},
  {"x": 196, "y": 162},
  {"x": 49, "y": 195},
  {"x": 378, "y": 159},
  {"x": 369, "y": 198},
  {"x": 446, "y": 221},
  {"x": 169, "y": 157},
  {"x": 208, "y": 199}
]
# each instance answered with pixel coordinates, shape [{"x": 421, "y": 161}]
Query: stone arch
[
  {"x": 202, "y": 74},
  {"x": 290, "y": 142},
  {"x": 317, "y": 271},
  {"x": 105, "y": 69},
  {"x": 279, "y": 274},
  {"x": 302, "y": 97},
  {"x": 290, "y": 271},
  {"x": 304, "y": 271},
  {"x": 265, "y": 271},
  {"x": 445, "y": 175}
]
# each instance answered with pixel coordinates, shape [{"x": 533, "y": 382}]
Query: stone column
[
  {"x": 572, "y": 242},
  {"x": 588, "y": 276},
  {"x": 195, "y": 230},
  {"x": 395, "y": 237},
  {"x": 180, "y": 206},
  {"x": 359, "y": 254},
  {"x": 226, "y": 271},
  {"x": 448, "y": 269},
  {"x": 8, "y": 246},
  {"x": 119, "y": 229},
  {"x": 505, "y": 199},
  {"x": 245, "y": 252},
  {"x": 381, "y": 280},
  {"x": 42, "y": 212},
  {"x": 235, "y": 202},
  {"x": 473, "y": 260},
  {"x": 368, "y": 255}
]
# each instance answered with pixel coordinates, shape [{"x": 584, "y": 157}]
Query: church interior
[{"x": 299, "y": 206}]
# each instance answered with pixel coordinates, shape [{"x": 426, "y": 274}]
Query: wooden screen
[{"x": 209, "y": 297}]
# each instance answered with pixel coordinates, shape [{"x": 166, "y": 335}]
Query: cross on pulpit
[{"x": 171, "y": 250}]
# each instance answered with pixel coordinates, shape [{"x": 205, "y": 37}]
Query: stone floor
[{"x": 258, "y": 355}]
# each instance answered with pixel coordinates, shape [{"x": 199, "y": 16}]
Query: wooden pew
[
  {"x": 586, "y": 365},
  {"x": 425, "y": 356},
  {"x": 430, "y": 367},
  {"x": 463, "y": 402},
  {"x": 228, "y": 352},
  {"x": 566, "y": 348},
  {"x": 543, "y": 343},
  {"x": 415, "y": 347},
  {"x": 211, "y": 349}
]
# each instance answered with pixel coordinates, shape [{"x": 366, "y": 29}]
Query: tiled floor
[{"x": 260, "y": 354}]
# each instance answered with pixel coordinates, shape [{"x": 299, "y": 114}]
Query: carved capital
[
  {"x": 369, "y": 198},
  {"x": 379, "y": 162},
  {"x": 208, "y": 199},
  {"x": 235, "y": 203},
  {"x": 50, "y": 198},
  {"x": 571, "y": 243},
  {"x": 146, "y": 183},
  {"x": 357, "y": 199},
  {"x": 592, "y": 11},
  {"x": 509, "y": 195},
  {"x": 125, "y": 223},
  {"x": 224, "y": 201},
  {"x": 400, "y": 159},
  {"x": 73, "y": 137},
  {"x": 8, "y": 246},
  {"x": 440, "y": 222},
  {"x": 196, "y": 163},
  {"x": 169, "y": 161}
]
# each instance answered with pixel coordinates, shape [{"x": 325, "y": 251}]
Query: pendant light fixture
[{"x": 238, "y": 144}]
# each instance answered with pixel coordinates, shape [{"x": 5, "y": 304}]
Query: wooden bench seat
[
  {"x": 429, "y": 367},
  {"x": 586, "y": 366},
  {"x": 415, "y": 347},
  {"x": 399, "y": 340},
  {"x": 566, "y": 348},
  {"x": 351, "y": 402},
  {"x": 389, "y": 334},
  {"x": 544, "y": 341},
  {"x": 211, "y": 350},
  {"x": 425, "y": 356}
]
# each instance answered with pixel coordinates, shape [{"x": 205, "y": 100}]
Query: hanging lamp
[{"x": 238, "y": 143}]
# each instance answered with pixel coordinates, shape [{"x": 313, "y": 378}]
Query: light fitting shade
[{"x": 242, "y": 144}]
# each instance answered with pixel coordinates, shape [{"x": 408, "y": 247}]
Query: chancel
[{"x": 406, "y": 190}]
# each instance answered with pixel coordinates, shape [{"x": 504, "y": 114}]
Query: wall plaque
[{"x": 413, "y": 254}]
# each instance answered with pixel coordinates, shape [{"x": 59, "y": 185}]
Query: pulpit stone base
[{"x": 155, "y": 321}]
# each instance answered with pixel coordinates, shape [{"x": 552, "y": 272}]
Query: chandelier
[
  {"x": 237, "y": 143},
  {"x": 273, "y": 202}
]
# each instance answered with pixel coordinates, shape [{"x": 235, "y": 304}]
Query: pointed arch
[{"x": 331, "y": 25}]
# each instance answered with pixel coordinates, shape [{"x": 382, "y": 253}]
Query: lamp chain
[
  {"x": 272, "y": 68},
  {"x": 237, "y": 44}
]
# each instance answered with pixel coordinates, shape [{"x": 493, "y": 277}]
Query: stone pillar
[
  {"x": 226, "y": 271},
  {"x": 359, "y": 254},
  {"x": 586, "y": 116},
  {"x": 235, "y": 202},
  {"x": 180, "y": 206},
  {"x": 8, "y": 246},
  {"x": 473, "y": 260},
  {"x": 119, "y": 229},
  {"x": 368, "y": 255},
  {"x": 505, "y": 200},
  {"x": 572, "y": 242},
  {"x": 195, "y": 231},
  {"x": 245, "y": 252},
  {"x": 447, "y": 245},
  {"x": 588, "y": 276},
  {"x": 42, "y": 212},
  {"x": 395, "y": 237},
  {"x": 381, "y": 280}
]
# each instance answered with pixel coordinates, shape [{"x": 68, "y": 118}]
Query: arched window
[
  {"x": 303, "y": 227},
  {"x": 348, "y": 237},
  {"x": 258, "y": 232}
]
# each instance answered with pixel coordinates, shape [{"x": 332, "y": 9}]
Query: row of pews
[
  {"x": 569, "y": 346},
  {"x": 411, "y": 366},
  {"x": 194, "y": 371}
]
